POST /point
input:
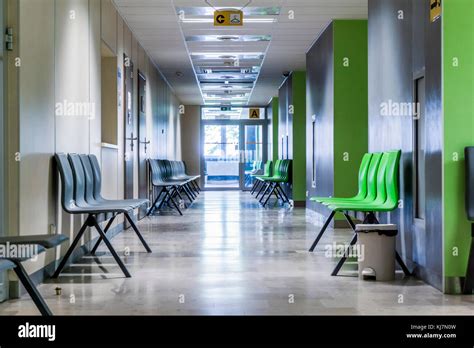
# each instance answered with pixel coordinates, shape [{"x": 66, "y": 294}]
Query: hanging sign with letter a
[{"x": 254, "y": 113}]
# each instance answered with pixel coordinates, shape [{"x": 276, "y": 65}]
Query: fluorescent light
[
  {"x": 227, "y": 55},
  {"x": 211, "y": 20},
  {"x": 260, "y": 20},
  {"x": 197, "y": 20}
]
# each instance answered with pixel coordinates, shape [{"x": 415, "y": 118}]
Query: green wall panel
[
  {"x": 350, "y": 103},
  {"x": 458, "y": 101},
  {"x": 299, "y": 136}
]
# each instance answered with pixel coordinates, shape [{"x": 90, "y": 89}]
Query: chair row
[
  {"x": 81, "y": 194},
  {"x": 270, "y": 182},
  {"x": 81, "y": 182},
  {"x": 378, "y": 192},
  {"x": 169, "y": 181}
]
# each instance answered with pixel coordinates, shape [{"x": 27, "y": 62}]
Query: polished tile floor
[{"x": 229, "y": 256}]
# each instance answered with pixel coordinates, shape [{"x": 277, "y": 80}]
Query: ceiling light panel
[
  {"x": 209, "y": 11},
  {"x": 226, "y": 60},
  {"x": 228, "y": 38}
]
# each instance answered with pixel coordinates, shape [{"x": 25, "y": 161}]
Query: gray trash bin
[{"x": 377, "y": 248}]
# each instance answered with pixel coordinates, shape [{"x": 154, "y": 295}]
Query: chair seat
[
  {"x": 132, "y": 203},
  {"x": 5, "y": 265},
  {"x": 334, "y": 200},
  {"x": 99, "y": 209},
  {"x": 366, "y": 207},
  {"x": 48, "y": 241},
  {"x": 17, "y": 258}
]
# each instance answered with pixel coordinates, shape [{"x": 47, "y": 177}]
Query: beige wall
[{"x": 59, "y": 44}]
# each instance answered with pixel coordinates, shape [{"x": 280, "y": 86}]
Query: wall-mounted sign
[
  {"x": 254, "y": 113},
  {"x": 228, "y": 18},
  {"x": 226, "y": 108},
  {"x": 435, "y": 10}
]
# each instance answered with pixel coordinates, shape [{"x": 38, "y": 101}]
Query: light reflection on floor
[{"x": 227, "y": 255}]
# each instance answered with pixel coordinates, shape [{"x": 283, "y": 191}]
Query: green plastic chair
[
  {"x": 386, "y": 200},
  {"x": 281, "y": 175},
  {"x": 362, "y": 192},
  {"x": 370, "y": 196},
  {"x": 267, "y": 172},
  {"x": 261, "y": 178},
  {"x": 376, "y": 173},
  {"x": 387, "y": 188}
]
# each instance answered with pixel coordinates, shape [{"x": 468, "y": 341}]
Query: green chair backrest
[
  {"x": 363, "y": 173},
  {"x": 268, "y": 168},
  {"x": 381, "y": 174},
  {"x": 372, "y": 177},
  {"x": 281, "y": 169},
  {"x": 276, "y": 168},
  {"x": 286, "y": 170},
  {"x": 391, "y": 179}
]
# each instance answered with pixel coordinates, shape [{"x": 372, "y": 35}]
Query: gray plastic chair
[
  {"x": 82, "y": 165},
  {"x": 167, "y": 189},
  {"x": 69, "y": 193},
  {"x": 97, "y": 188}
]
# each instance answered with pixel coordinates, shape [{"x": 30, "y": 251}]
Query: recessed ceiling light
[
  {"x": 228, "y": 38},
  {"x": 199, "y": 20}
]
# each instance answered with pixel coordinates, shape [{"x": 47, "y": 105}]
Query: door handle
[
  {"x": 132, "y": 139},
  {"x": 145, "y": 143}
]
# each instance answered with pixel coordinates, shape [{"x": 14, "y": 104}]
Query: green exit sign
[{"x": 226, "y": 108}]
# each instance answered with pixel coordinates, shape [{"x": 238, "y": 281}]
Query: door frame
[
  {"x": 264, "y": 125},
  {"x": 418, "y": 223},
  {"x": 241, "y": 124},
  {"x": 128, "y": 141},
  {"x": 146, "y": 142}
]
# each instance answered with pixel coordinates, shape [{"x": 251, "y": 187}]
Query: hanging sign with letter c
[{"x": 228, "y": 18}]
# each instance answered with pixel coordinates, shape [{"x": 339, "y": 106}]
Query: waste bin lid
[{"x": 382, "y": 229}]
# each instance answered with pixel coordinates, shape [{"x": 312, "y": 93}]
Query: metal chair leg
[
  {"x": 70, "y": 250},
  {"x": 255, "y": 184},
  {"x": 134, "y": 226},
  {"x": 94, "y": 249},
  {"x": 402, "y": 264},
  {"x": 349, "y": 220},
  {"x": 267, "y": 189},
  {"x": 262, "y": 186},
  {"x": 165, "y": 198},
  {"x": 269, "y": 195},
  {"x": 323, "y": 229},
  {"x": 110, "y": 247},
  {"x": 344, "y": 258},
  {"x": 32, "y": 290},
  {"x": 282, "y": 192},
  {"x": 189, "y": 193},
  {"x": 176, "y": 206},
  {"x": 153, "y": 206}
]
